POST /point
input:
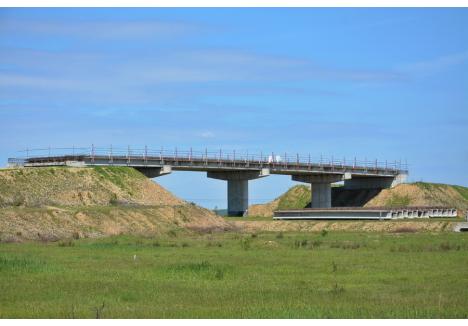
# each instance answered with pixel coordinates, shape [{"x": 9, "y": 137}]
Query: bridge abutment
[
  {"x": 321, "y": 188},
  {"x": 238, "y": 188}
]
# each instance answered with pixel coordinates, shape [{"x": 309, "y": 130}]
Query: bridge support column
[
  {"x": 238, "y": 188},
  {"x": 321, "y": 188}
]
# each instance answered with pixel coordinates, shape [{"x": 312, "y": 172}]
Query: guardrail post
[
  {"x": 92, "y": 153},
  {"x": 354, "y": 164},
  {"x": 128, "y": 154},
  {"x": 332, "y": 167},
  {"x": 206, "y": 156},
  {"x": 111, "y": 156},
  {"x": 146, "y": 155},
  {"x": 234, "y": 158},
  {"x": 286, "y": 160},
  {"x": 297, "y": 159},
  {"x": 376, "y": 164},
  {"x": 220, "y": 155},
  {"x": 309, "y": 161},
  {"x": 161, "y": 160},
  {"x": 27, "y": 153}
]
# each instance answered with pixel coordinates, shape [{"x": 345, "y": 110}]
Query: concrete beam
[
  {"x": 374, "y": 182},
  {"x": 154, "y": 172},
  {"x": 239, "y": 175},
  {"x": 238, "y": 188},
  {"x": 318, "y": 178}
]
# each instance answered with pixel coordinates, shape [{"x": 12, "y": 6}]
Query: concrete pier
[
  {"x": 238, "y": 188},
  {"x": 321, "y": 188}
]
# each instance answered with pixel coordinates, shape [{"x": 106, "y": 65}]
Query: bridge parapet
[{"x": 188, "y": 159}]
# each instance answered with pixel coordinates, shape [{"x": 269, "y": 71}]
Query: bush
[
  {"x": 405, "y": 229},
  {"x": 324, "y": 233},
  {"x": 219, "y": 274},
  {"x": 316, "y": 243},
  {"x": 76, "y": 235},
  {"x": 66, "y": 243},
  {"x": 156, "y": 244},
  {"x": 185, "y": 245},
  {"x": 245, "y": 243},
  {"x": 254, "y": 235},
  {"x": 172, "y": 233},
  {"x": 300, "y": 243},
  {"x": 280, "y": 235}
]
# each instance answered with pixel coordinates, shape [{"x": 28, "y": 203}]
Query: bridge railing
[{"x": 272, "y": 159}]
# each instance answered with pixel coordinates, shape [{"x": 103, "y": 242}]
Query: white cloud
[
  {"x": 100, "y": 29},
  {"x": 207, "y": 134},
  {"x": 436, "y": 64}
]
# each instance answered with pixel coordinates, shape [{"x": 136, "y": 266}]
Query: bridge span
[{"x": 235, "y": 168}]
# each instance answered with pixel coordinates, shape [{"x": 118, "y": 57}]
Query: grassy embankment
[{"x": 266, "y": 275}]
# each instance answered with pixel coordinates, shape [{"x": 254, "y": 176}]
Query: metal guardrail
[{"x": 273, "y": 159}]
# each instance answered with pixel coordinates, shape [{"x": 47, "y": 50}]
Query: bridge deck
[{"x": 213, "y": 164}]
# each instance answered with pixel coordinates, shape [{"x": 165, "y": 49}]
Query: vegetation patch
[
  {"x": 346, "y": 275},
  {"x": 296, "y": 197},
  {"x": 398, "y": 201}
]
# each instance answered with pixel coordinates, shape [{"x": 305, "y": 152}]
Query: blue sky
[{"x": 375, "y": 83}]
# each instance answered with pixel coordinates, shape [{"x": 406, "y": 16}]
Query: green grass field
[{"x": 267, "y": 275}]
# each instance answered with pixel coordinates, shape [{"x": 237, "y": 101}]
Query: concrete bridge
[{"x": 237, "y": 169}]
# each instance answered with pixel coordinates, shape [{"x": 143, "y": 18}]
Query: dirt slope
[
  {"x": 296, "y": 197},
  {"x": 416, "y": 194},
  {"x": 58, "y": 202},
  {"x": 62, "y": 186},
  {"x": 422, "y": 194}
]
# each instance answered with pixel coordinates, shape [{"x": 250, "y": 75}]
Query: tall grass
[{"x": 222, "y": 275}]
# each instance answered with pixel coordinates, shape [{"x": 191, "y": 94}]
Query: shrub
[
  {"x": 334, "y": 267},
  {"x": 156, "y": 244},
  {"x": 245, "y": 243},
  {"x": 254, "y": 235},
  {"x": 76, "y": 235},
  {"x": 405, "y": 229},
  {"x": 219, "y": 274},
  {"x": 172, "y": 233},
  {"x": 185, "y": 245},
  {"x": 300, "y": 243},
  {"x": 316, "y": 243},
  {"x": 66, "y": 243},
  {"x": 324, "y": 233},
  {"x": 280, "y": 235},
  {"x": 337, "y": 289}
]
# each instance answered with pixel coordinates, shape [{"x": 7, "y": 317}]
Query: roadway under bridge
[{"x": 236, "y": 169}]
